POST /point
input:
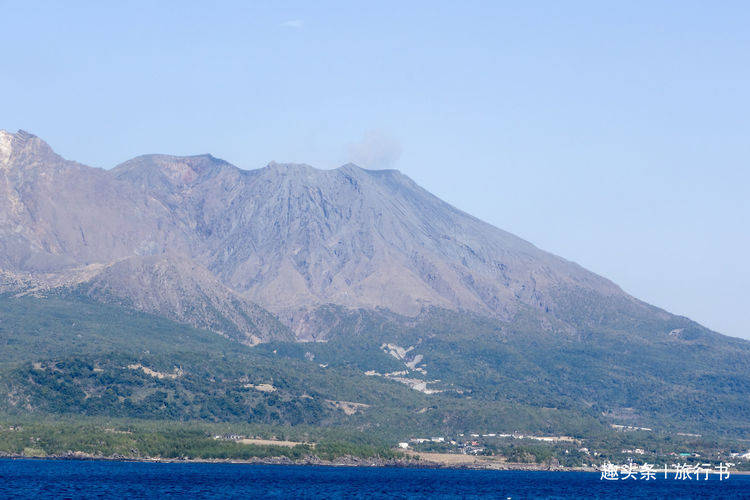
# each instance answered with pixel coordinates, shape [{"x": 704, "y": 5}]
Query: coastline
[{"x": 345, "y": 461}]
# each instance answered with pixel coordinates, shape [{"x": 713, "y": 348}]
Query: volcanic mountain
[
  {"x": 290, "y": 238},
  {"x": 399, "y": 284}
]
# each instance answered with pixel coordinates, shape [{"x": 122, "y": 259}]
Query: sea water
[{"x": 104, "y": 479}]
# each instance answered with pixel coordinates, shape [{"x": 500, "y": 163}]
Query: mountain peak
[
  {"x": 291, "y": 168},
  {"x": 24, "y": 148},
  {"x": 154, "y": 169},
  {"x": 24, "y": 145},
  {"x": 6, "y": 146},
  {"x": 353, "y": 167}
]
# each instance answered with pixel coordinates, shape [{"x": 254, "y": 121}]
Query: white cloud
[
  {"x": 294, "y": 23},
  {"x": 376, "y": 150}
]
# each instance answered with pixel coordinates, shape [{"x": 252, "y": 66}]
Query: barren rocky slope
[
  {"x": 290, "y": 238},
  {"x": 293, "y": 237},
  {"x": 178, "y": 289}
]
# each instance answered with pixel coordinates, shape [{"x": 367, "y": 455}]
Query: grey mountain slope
[
  {"x": 56, "y": 214},
  {"x": 63, "y": 224},
  {"x": 293, "y": 237},
  {"x": 290, "y": 238},
  {"x": 178, "y": 289},
  {"x": 168, "y": 285}
]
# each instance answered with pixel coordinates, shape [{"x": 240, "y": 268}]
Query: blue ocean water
[{"x": 95, "y": 479}]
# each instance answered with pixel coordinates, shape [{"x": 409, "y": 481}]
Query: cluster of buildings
[
  {"x": 467, "y": 448},
  {"x": 470, "y": 444},
  {"x": 424, "y": 440},
  {"x": 741, "y": 456},
  {"x": 516, "y": 435},
  {"x": 635, "y": 451},
  {"x": 629, "y": 428},
  {"x": 229, "y": 437}
]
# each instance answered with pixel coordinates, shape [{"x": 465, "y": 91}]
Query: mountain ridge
[{"x": 289, "y": 237}]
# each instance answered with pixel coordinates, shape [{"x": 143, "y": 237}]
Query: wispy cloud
[
  {"x": 294, "y": 23},
  {"x": 376, "y": 150}
]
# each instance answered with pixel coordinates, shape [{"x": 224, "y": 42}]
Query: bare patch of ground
[
  {"x": 273, "y": 442},
  {"x": 261, "y": 387},
  {"x": 450, "y": 459},
  {"x": 347, "y": 407},
  {"x": 160, "y": 375}
]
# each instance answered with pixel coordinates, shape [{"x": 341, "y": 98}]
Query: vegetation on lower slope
[
  {"x": 113, "y": 438},
  {"x": 167, "y": 440},
  {"x": 82, "y": 358},
  {"x": 33, "y": 328},
  {"x": 668, "y": 373},
  {"x": 79, "y": 359}
]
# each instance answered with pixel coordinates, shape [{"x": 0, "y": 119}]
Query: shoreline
[{"x": 347, "y": 461}]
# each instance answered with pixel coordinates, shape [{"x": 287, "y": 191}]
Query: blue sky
[{"x": 616, "y": 135}]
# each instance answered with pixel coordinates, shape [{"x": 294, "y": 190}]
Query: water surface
[{"x": 99, "y": 479}]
